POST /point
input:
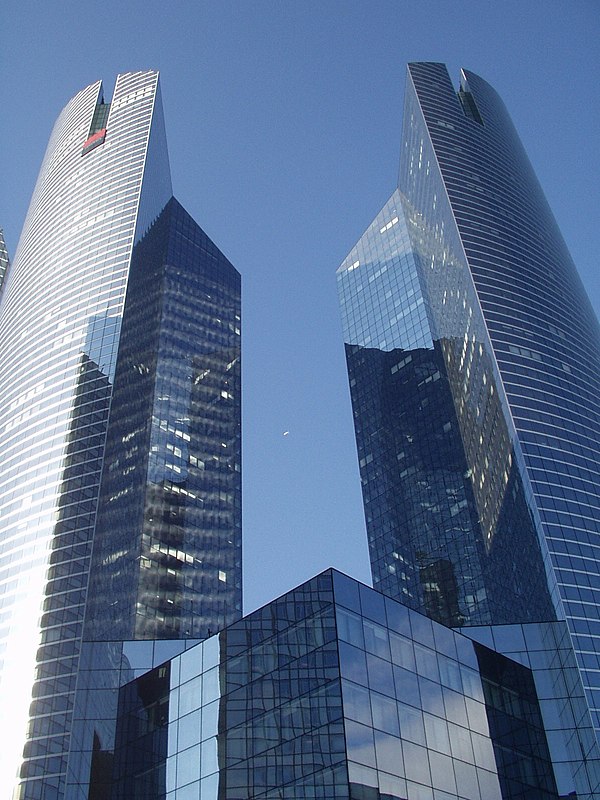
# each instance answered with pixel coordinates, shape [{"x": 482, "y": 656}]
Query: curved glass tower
[
  {"x": 119, "y": 422},
  {"x": 474, "y": 364}
]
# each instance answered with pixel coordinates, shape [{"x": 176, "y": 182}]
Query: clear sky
[{"x": 284, "y": 121}]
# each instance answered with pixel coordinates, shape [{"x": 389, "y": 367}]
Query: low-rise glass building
[{"x": 336, "y": 691}]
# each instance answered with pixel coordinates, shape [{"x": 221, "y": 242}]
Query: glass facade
[
  {"x": 171, "y": 485},
  {"x": 3, "y": 258},
  {"x": 335, "y": 691},
  {"x": 467, "y": 552},
  {"x": 127, "y": 672},
  {"x": 477, "y": 416},
  {"x": 119, "y": 428}
]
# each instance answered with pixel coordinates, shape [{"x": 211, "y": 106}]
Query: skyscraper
[
  {"x": 120, "y": 511},
  {"x": 474, "y": 364},
  {"x": 143, "y": 681}
]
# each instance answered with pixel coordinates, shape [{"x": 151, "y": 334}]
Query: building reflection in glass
[
  {"x": 167, "y": 554},
  {"x": 451, "y": 530},
  {"x": 334, "y": 691},
  {"x": 166, "y": 561},
  {"x": 120, "y": 431}
]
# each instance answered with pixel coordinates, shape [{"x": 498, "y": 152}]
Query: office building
[
  {"x": 474, "y": 364},
  {"x": 120, "y": 508},
  {"x": 126, "y": 663},
  {"x": 334, "y": 691}
]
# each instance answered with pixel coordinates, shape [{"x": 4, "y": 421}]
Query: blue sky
[{"x": 284, "y": 120}]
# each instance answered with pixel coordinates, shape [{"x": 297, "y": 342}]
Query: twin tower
[{"x": 127, "y": 670}]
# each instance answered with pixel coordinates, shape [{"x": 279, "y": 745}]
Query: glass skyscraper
[
  {"x": 127, "y": 670},
  {"x": 474, "y": 365},
  {"x": 120, "y": 483}
]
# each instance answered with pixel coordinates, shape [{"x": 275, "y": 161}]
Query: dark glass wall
[
  {"x": 516, "y": 728},
  {"x": 167, "y": 551},
  {"x": 254, "y": 712},
  {"x": 166, "y": 560},
  {"x": 450, "y": 524}
]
